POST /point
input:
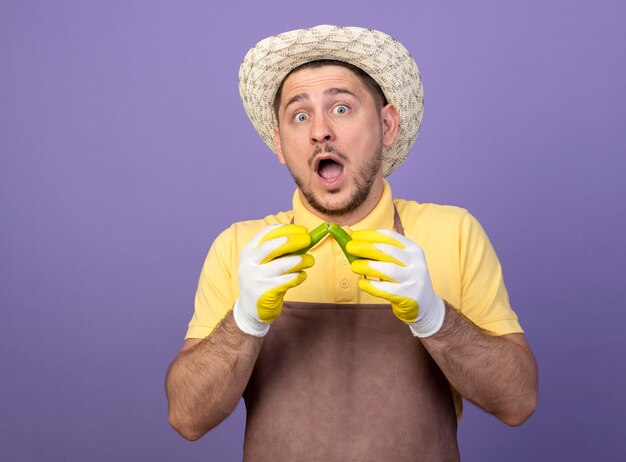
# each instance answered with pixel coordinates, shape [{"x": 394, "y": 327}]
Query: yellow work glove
[
  {"x": 266, "y": 273},
  {"x": 396, "y": 270}
]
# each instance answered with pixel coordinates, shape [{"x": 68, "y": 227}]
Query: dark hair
[{"x": 377, "y": 93}]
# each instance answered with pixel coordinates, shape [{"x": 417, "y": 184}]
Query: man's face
[{"x": 331, "y": 136}]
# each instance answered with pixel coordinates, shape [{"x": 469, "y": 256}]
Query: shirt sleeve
[
  {"x": 215, "y": 295},
  {"x": 484, "y": 299}
]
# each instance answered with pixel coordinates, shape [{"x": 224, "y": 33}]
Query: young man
[{"x": 365, "y": 360}]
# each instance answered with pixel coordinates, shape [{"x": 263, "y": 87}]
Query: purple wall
[{"x": 124, "y": 150}]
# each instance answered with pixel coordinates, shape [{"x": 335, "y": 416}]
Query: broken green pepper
[
  {"x": 317, "y": 235},
  {"x": 342, "y": 238}
]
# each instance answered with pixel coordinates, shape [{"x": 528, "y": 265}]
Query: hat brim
[{"x": 382, "y": 57}]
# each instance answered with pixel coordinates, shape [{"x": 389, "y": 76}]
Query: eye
[
  {"x": 340, "y": 109},
  {"x": 300, "y": 117}
]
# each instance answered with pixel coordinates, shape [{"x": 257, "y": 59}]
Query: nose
[{"x": 321, "y": 131}]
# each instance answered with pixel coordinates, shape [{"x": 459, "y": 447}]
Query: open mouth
[{"x": 329, "y": 169}]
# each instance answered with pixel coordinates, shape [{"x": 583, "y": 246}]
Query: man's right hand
[{"x": 266, "y": 273}]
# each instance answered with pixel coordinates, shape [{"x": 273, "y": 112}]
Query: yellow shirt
[{"x": 463, "y": 266}]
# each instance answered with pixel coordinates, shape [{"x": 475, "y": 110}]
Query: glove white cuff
[
  {"x": 431, "y": 321},
  {"x": 249, "y": 325}
]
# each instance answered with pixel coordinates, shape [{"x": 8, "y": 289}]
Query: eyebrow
[{"x": 330, "y": 92}]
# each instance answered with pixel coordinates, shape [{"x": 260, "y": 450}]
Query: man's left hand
[{"x": 395, "y": 269}]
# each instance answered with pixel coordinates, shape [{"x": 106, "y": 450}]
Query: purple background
[{"x": 124, "y": 150}]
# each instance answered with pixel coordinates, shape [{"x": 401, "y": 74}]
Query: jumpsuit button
[
  {"x": 344, "y": 284},
  {"x": 343, "y": 260}
]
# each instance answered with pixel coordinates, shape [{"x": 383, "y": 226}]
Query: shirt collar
[{"x": 381, "y": 217}]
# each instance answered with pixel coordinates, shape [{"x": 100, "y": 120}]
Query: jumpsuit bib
[{"x": 347, "y": 382}]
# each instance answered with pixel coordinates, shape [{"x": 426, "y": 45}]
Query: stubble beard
[{"x": 363, "y": 180}]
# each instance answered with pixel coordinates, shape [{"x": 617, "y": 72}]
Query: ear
[
  {"x": 277, "y": 145},
  {"x": 390, "y": 119}
]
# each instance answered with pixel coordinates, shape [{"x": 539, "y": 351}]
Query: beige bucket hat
[{"x": 385, "y": 59}]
